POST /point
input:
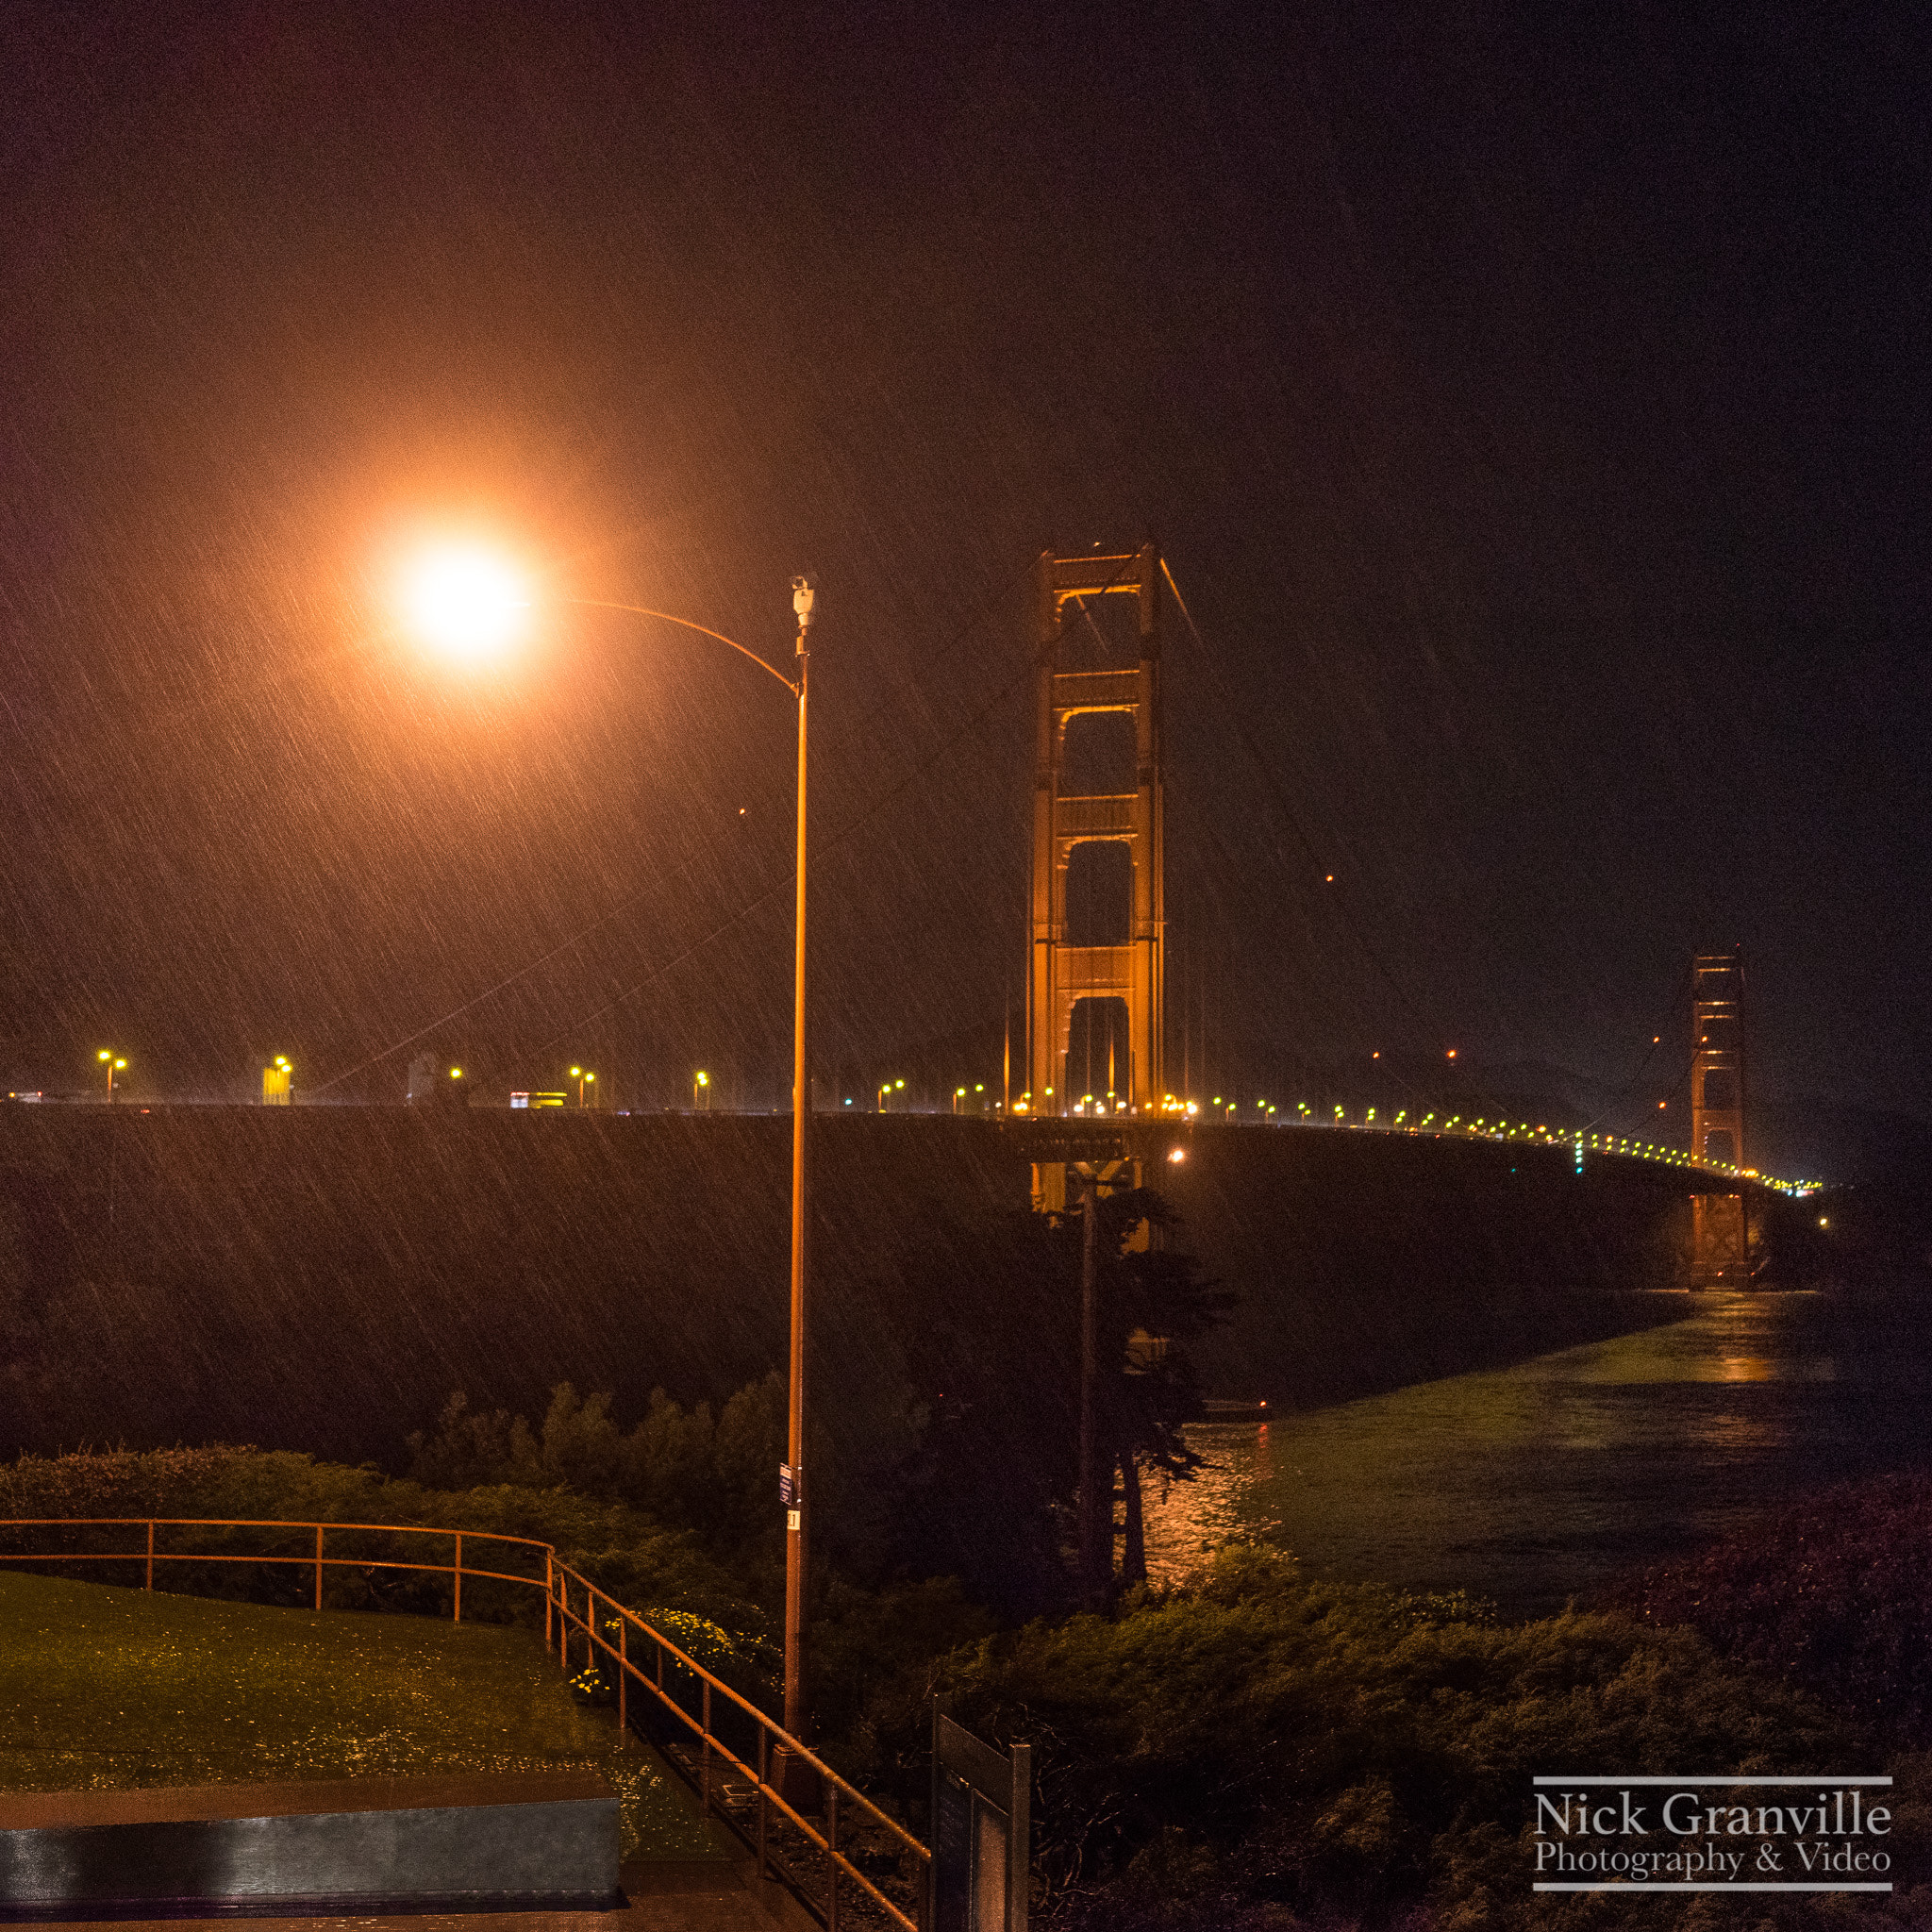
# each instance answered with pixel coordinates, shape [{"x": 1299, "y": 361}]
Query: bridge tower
[
  {"x": 1077, "y": 679},
  {"x": 1720, "y": 1234}
]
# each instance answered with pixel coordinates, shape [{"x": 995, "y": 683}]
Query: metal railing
[{"x": 760, "y": 1752}]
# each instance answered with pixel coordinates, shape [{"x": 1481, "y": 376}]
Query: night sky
[{"x": 1532, "y": 403}]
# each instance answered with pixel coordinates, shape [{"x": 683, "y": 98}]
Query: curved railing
[{"x": 783, "y": 1776}]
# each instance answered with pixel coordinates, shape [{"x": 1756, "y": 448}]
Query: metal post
[
  {"x": 764, "y": 1803},
  {"x": 1020, "y": 1840},
  {"x": 458, "y": 1616},
  {"x": 1096, "y": 1531},
  {"x": 797, "y": 1534},
  {"x": 318, "y": 1566},
  {"x": 831, "y": 1857},
  {"x": 622, "y": 1673},
  {"x": 704, "y": 1755},
  {"x": 150, "y": 1553},
  {"x": 549, "y": 1592}
]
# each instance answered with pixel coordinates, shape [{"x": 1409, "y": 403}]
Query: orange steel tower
[
  {"x": 1074, "y": 682},
  {"x": 1717, "y": 1105}
]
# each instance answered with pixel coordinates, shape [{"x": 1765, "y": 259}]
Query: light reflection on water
[{"x": 1534, "y": 1484}]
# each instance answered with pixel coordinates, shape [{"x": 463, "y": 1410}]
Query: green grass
[{"x": 102, "y": 1688}]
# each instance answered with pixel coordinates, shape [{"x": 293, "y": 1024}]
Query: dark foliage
[
  {"x": 1834, "y": 1594},
  {"x": 1263, "y": 1751},
  {"x": 995, "y": 1387}
]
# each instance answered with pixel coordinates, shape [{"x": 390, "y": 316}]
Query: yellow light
[
  {"x": 104, "y": 1054},
  {"x": 455, "y": 1072},
  {"x": 465, "y": 602}
]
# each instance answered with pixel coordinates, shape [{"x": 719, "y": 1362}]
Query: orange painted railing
[{"x": 600, "y": 1616}]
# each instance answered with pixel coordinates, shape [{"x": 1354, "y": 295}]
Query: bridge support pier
[{"x": 1721, "y": 1235}]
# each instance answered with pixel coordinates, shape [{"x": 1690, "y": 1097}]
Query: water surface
[{"x": 1535, "y": 1483}]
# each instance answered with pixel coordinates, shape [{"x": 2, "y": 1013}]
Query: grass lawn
[{"x": 102, "y": 1688}]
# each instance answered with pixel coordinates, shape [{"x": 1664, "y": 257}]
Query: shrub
[
  {"x": 1834, "y": 1592},
  {"x": 1260, "y": 1743}
]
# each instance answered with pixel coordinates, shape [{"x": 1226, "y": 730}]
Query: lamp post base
[{"x": 797, "y": 1781}]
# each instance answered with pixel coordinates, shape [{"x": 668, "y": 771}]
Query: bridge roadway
[{"x": 1089, "y": 1136}]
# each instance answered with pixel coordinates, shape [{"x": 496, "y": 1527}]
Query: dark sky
[{"x": 1532, "y": 403}]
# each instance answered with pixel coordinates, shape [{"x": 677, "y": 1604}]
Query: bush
[
  {"x": 1259, "y": 1749},
  {"x": 715, "y": 1478},
  {"x": 1834, "y": 1594}
]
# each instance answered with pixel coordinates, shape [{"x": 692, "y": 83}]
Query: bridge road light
[
  {"x": 701, "y": 1091},
  {"x": 114, "y": 1063},
  {"x": 472, "y": 604}
]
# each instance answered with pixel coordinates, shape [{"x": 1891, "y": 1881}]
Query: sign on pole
[{"x": 982, "y": 1802}]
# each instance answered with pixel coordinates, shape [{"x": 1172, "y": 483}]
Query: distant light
[
  {"x": 455, "y": 1072},
  {"x": 1177, "y": 1155},
  {"x": 1451, "y": 1053}
]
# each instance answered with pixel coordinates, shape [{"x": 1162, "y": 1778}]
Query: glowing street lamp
[
  {"x": 583, "y": 1079},
  {"x": 701, "y": 1091},
  {"x": 115, "y": 1063},
  {"x": 465, "y": 601},
  {"x": 470, "y": 604}
]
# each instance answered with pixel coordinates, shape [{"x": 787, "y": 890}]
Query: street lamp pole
[
  {"x": 797, "y": 1512},
  {"x": 796, "y": 1518}
]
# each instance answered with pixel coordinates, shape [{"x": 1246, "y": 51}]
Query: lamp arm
[{"x": 705, "y": 630}]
